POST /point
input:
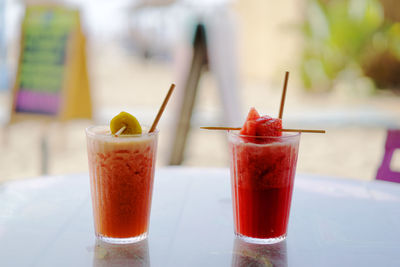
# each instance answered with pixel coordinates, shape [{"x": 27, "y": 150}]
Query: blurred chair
[
  {"x": 204, "y": 39},
  {"x": 214, "y": 50},
  {"x": 199, "y": 62},
  {"x": 392, "y": 143}
]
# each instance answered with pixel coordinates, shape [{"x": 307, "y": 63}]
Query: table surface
[{"x": 47, "y": 221}]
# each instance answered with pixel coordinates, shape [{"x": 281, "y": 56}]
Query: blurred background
[{"x": 343, "y": 57}]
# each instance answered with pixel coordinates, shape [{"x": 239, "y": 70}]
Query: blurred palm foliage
[{"x": 351, "y": 40}]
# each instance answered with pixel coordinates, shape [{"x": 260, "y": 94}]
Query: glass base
[
  {"x": 261, "y": 240},
  {"x": 116, "y": 240}
]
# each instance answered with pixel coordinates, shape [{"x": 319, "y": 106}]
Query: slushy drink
[
  {"x": 121, "y": 176},
  {"x": 262, "y": 175}
]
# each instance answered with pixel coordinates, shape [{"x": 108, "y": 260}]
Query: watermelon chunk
[
  {"x": 255, "y": 125},
  {"x": 267, "y": 126},
  {"x": 249, "y": 125}
]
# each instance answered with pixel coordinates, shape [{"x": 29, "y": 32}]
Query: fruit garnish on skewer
[
  {"x": 126, "y": 124},
  {"x": 257, "y": 125}
]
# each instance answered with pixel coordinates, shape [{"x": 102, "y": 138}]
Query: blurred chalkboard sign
[{"x": 52, "y": 78}]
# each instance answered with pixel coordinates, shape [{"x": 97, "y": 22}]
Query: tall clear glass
[
  {"x": 262, "y": 177},
  {"x": 121, "y": 177}
]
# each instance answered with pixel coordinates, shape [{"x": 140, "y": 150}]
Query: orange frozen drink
[{"x": 121, "y": 176}]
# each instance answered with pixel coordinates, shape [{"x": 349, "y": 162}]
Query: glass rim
[
  {"x": 89, "y": 132},
  {"x": 285, "y": 135}
]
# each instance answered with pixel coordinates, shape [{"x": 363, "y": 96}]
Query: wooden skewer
[
  {"x": 221, "y": 128},
  {"x": 283, "y": 95},
  {"x": 283, "y": 130},
  {"x": 160, "y": 112},
  {"x": 303, "y": 130},
  {"x": 120, "y": 131}
]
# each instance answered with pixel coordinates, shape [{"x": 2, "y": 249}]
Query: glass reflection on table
[
  {"x": 135, "y": 254},
  {"x": 247, "y": 254}
]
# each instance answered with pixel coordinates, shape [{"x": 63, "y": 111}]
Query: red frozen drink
[{"x": 262, "y": 172}]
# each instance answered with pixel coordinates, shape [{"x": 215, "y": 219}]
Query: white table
[{"x": 48, "y": 222}]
